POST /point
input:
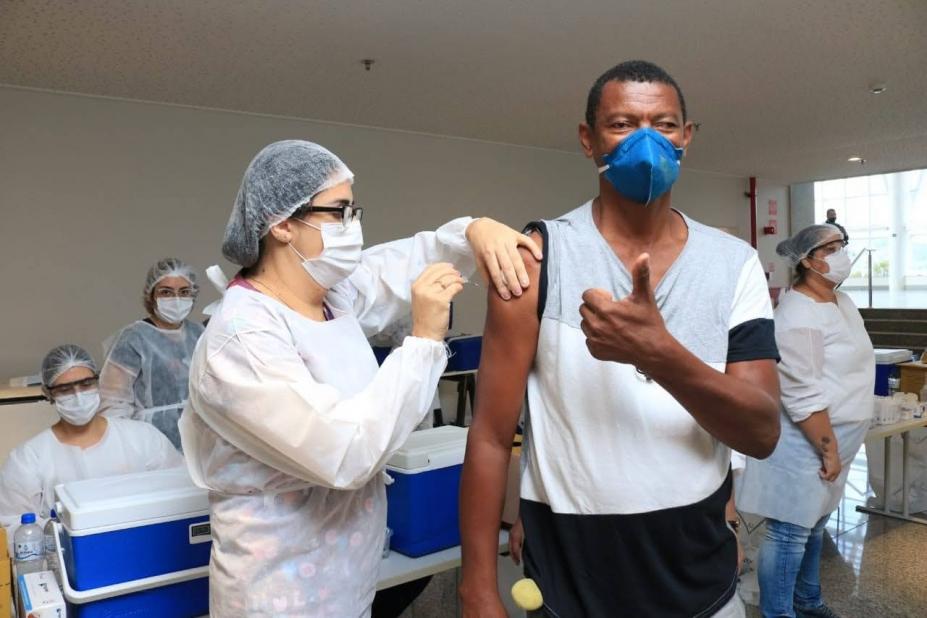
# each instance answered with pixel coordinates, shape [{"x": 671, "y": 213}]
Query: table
[
  {"x": 466, "y": 386},
  {"x": 886, "y": 432},
  {"x": 398, "y": 569},
  {"x": 21, "y": 395}
]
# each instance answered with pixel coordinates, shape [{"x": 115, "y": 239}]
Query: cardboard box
[
  {"x": 913, "y": 376},
  {"x": 6, "y": 588},
  {"x": 40, "y": 596},
  {"x": 6, "y": 579}
]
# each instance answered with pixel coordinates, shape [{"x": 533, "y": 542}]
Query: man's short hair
[{"x": 630, "y": 71}]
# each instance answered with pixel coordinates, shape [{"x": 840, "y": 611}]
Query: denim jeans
[{"x": 788, "y": 568}]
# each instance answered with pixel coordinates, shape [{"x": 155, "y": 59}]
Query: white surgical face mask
[
  {"x": 839, "y": 265},
  {"x": 341, "y": 253},
  {"x": 174, "y": 310},
  {"x": 78, "y": 409}
]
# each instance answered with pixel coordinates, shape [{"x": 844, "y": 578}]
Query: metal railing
[{"x": 856, "y": 259}]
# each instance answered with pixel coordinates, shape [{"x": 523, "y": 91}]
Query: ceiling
[{"x": 781, "y": 89}]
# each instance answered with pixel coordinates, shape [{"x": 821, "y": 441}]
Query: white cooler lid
[
  {"x": 886, "y": 356},
  {"x": 430, "y": 449},
  {"x": 119, "y": 501}
]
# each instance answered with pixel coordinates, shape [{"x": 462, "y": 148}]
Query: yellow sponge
[{"x": 527, "y": 595}]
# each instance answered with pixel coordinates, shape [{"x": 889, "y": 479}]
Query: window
[{"x": 887, "y": 214}]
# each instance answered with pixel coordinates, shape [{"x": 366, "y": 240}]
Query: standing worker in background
[
  {"x": 147, "y": 368},
  {"x": 832, "y": 220},
  {"x": 827, "y": 381},
  {"x": 81, "y": 445},
  {"x": 290, "y": 421},
  {"x": 646, "y": 345}
]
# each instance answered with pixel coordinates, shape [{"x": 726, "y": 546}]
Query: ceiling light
[
  {"x": 878, "y": 88},
  {"x": 859, "y": 160}
]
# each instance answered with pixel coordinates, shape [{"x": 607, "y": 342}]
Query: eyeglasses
[
  {"x": 61, "y": 390},
  {"x": 829, "y": 248},
  {"x": 172, "y": 293},
  {"x": 349, "y": 212}
]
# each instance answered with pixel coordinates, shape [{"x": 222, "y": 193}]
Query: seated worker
[
  {"x": 646, "y": 344},
  {"x": 82, "y": 444}
]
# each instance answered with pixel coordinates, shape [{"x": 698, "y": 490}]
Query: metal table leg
[
  {"x": 904, "y": 474},
  {"x": 887, "y": 476},
  {"x": 461, "y": 403},
  {"x": 885, "y": 509}
]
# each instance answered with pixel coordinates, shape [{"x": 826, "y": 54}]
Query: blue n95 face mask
[{"x": 642, "y": 167}]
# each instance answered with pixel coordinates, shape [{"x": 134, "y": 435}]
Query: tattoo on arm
[{"x": 825, "y": 441}]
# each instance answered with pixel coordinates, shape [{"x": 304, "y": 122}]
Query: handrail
[
  {"x": 856, "y": 259},
  {"x": 858, "y": 255}
]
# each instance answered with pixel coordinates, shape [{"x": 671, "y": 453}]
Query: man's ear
[
  {"x": 586, "y": 136},
  {"x": 687, "y": 132}
]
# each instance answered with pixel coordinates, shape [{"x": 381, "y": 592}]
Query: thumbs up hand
[{"x": 629, "y": 330}]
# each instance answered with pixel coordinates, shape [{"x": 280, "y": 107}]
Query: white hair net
[
  {"x": 169, "y": 267},
  {"x": 62, "y": 358},
  {"x": 281, "y": 178},
  {"x": 796, "y": 248}
]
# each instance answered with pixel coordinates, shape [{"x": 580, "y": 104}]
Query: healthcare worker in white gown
[
  {"x": 826, "y": 378},
  {"x": 290, "y": 422},
  {"x": 81, "y": 445}
]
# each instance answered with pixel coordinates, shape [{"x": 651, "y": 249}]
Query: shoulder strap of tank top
[{"x": 541, "y": 228}]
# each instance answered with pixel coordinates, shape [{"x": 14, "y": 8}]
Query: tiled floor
[{"x": 872, "y": 567}]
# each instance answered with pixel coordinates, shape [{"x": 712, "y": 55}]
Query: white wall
[
  {"x": 802, "y": 205},
  {"x": 714, "y": 199},
  {"x": 766, "y": 194},
  {"x": 93, "y": 190},
  {"x": 21, "y": 421}
]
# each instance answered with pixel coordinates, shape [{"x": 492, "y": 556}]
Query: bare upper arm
[
  {"x": 510, "y": 338},
  {"x": 762, "y": 373}
]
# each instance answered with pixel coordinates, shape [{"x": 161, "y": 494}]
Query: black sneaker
[{"x": 816, "y": 612}]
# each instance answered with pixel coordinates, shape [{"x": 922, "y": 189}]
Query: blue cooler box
[
  {"x": 127, "y": 528},
  {"x": 422, "y": 506},
  {"x": 886, "y": 367},
  {"x": 179, "y": 595},
  {"x": 465, "y": 352}
]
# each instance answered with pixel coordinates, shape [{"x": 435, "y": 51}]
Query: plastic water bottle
[
  {"x": 51, "y": 556},
  {"x": 29, "y": 546}
]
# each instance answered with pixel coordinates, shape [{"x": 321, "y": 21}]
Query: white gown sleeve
[
  {"x": 380, "y": 290},
  {"x": 157, "y": 452},
  {"x": 801, "y": 372},
  {"x": 256, "y": 391},
  {"x": 20, "y": 490},
  {"x": 117, "y": 379}
]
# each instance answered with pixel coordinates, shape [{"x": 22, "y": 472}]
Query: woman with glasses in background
[
  {"x": 147, "y": 364},
  {"x": 81, "y": 445},
  {"x": 826, "y": 380}
]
